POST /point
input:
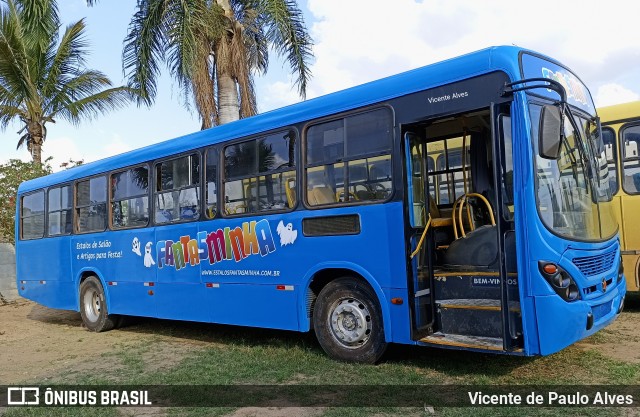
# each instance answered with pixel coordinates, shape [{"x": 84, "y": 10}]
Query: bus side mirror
[{"x": 550, "y": 131}]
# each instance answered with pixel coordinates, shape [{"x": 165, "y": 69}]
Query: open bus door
[
  {"x": 463, "y": 277},
  {"x": 420, "y": 299},
  {"x": 504, "y": 202}
]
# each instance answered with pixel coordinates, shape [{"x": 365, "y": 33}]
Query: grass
[{"x": 242, "y": 356}]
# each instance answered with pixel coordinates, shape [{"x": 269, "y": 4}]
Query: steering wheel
[{"x": 459, "y": 203}]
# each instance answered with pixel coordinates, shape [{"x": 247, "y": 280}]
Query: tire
[
  {"x": 93, "y": 307},
  {"x": 348, "y": 322}
]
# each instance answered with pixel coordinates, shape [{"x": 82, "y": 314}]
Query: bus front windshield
[{"x": 574, "y": 199}]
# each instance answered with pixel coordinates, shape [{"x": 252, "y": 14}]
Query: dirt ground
[{"x": 38, "y": 343}]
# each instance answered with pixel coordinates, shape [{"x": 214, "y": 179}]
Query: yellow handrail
[
  {"x": 421, "y": 241},
  {"x": 461, "y": 200}
]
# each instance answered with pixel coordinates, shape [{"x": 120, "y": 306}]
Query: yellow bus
[{"x": 621, "y": 135}]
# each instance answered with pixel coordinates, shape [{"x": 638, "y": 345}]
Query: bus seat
[
  {"x": 321, "y": 195},
  {"x": 479, "y": 249}
]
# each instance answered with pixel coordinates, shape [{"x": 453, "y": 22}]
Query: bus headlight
[{"x": 560, "y": 280}]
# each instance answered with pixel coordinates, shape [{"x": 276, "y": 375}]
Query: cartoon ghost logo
[
  {"x": 148, "y": 259},
  {"x": 287, "y": 234},
  {"x": 135, "y": 246}
]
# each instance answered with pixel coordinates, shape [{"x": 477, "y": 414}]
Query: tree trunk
[
  {"x": 36, "y": 133},
  {"x": 228, "y": 100},
  {"x": 229, "y": 107},
  {"x": 36, "y": 153}
]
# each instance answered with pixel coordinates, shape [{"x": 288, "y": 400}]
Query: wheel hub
[
  {"x": 92, "y": 305},
  {"x": 350, "y": 322}
]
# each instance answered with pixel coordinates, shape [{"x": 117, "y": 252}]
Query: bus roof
[
  {"x": 503, "y": 58},
  {"x": 619, "y": 113}
]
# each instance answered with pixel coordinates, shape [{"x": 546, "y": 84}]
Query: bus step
[
  {"x": 471, "y": 317},
  {"x": 449, "y": 285},
  {"x": 477, "y": 304},
  {"x": 464, "y": 341}
]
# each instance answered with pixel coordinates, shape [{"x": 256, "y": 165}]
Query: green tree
[
  {"x": 43, "y": 75},
  {"x": 13, "y": 173},
  {"x": 212, "y": 49}
]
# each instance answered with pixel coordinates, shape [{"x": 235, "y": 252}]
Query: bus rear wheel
[
  {"x": 93, "y": 307},
  {"x": 348, "y": 322}
]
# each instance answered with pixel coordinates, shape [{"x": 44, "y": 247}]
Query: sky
[{"x": 356, "y": 41}]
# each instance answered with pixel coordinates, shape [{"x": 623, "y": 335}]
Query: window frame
[
  {"x": 76, "y": 216},
  {"x": 154, "y": 183},
  {"x": 217, "y": 180},
  {"x": 623, "y": 159},
  {"x": 223, "y": 179},
  {"x": 149, "y": 167},
  {"x": 72, "y": 209},
  {"x": 44, "y": 214},
  {"x": 616, "y": 157},
  {"x": 346, "y": 159}
]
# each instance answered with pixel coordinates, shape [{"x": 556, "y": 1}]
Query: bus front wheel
[
  {"x": 348, "y": 322},
  {"x": 93, "y": 307}
]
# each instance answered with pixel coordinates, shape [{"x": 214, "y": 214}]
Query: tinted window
[
  {"x": 32, "y": 216},
  {"x": 240, "y": 159},
  {"x": 211, "y": 173},
  {"x": 260, "y": 174},
  {"x": 611, "y": 153},
  {"x": 325, "y": 142},
  {"x": 630, "y": 146},
  {"x": 178, "y": 194},
  {"x": 129, "y": 183},
  {"x": 368, "y": 133},
  {"x": 130, "y": 197},
  {"x": 91, "y": 204},
  {"x": 60, "y": 214},
  {"x": 349, "y": 160},
  {"x": 91, "y": 191}
]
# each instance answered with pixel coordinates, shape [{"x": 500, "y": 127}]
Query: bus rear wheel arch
[
  {"x": 93, "y": 306},
  {"x": 347, "y": 320}
]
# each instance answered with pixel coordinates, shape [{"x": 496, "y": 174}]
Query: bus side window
[
  {"x": 177, "y": 195},
  {"x": 60, "y": 210},
  {"x": 91, "y": 205},
  {"x": 130, "y": 198},
  {"x": 260, "y": 175},
  {"x": 346, "y": 151},
  {"x": 631, "y": 159},
  {"x": 32, "y": 216},
  {"x": 611, "y": 156},
  {"x": 211, "y": 181}
]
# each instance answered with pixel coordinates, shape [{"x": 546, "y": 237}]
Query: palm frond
[
  {"x": 241, "y": 70},
  {"x": 84, "y": 84},
  {"x": 14, "y": 72},
  {"x": 144, "y": 48},
  {"x": 7, "y": 114},
  {"x": 65, "y": 61},
  {"x": 41, "y": 21},
  {"x": 92, "y": 106},
  {"x": 286, "y": 31},
  {"x": 256, "y": 42}
]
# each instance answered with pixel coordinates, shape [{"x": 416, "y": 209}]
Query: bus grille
[
  {"x": 601, "y": 310},
  {"x": 594, "y": 265}
]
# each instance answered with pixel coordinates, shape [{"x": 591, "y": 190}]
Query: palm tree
[
  {"x": 213, "y": 48},
  {"x": 43, "y": 76}
]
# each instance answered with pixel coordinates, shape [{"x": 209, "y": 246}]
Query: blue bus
[{"x": 457, "y": 205}]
